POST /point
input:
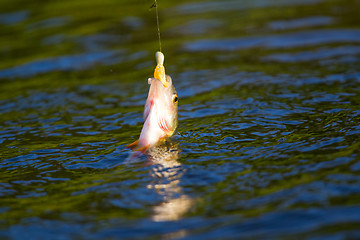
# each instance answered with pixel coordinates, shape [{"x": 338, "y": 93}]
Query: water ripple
[
  {"x": 313, "y": 21},
  {"x": 14, "y": 17},
  {"x": 62, "y": 63},
  {"x": 267, "y": 143},
  {"x": 286, "y": 40},
  {"x": 232, "y": 5},
  {"x": 322, "y": 53}
]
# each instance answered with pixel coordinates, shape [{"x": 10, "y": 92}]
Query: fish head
[{"x": 161, "y": 112}]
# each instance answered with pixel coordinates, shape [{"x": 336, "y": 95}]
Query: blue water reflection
[
  {"x": 286, "y": 40},
  {"x": 63, "y": 63}
]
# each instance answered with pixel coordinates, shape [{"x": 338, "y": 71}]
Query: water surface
[{"x": 268, "y": 138}]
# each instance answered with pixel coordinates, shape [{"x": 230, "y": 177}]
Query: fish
[{"x": 161, "y": 109}]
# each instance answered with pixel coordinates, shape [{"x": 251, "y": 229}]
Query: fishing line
[{"x": 157, "y": 21}]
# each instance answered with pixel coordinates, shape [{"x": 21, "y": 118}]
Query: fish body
[{"x": 161, "y": 109}]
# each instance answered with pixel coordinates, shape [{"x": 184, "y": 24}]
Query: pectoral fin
[
  {"x": 142, "y": 149},
  {"x": 133, "y": 145}
]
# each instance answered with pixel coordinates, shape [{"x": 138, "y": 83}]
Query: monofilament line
[{"x": 157, "y": 22}]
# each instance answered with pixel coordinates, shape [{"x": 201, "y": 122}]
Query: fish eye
[{"x": 175, "y": 98}]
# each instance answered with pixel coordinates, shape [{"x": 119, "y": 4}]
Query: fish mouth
[
  {"x": 164, "y": 82},
  {"x": 158, "y": 85},
  {"x": 159, "y": 72}
]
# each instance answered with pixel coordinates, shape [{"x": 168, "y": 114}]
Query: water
[{"x": 268, "y": 138}]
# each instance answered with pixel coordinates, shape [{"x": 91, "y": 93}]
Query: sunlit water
[{"x": 268, "y": 138}]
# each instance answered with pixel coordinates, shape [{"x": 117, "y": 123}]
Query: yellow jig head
[{"x": 159, "y": 72}]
